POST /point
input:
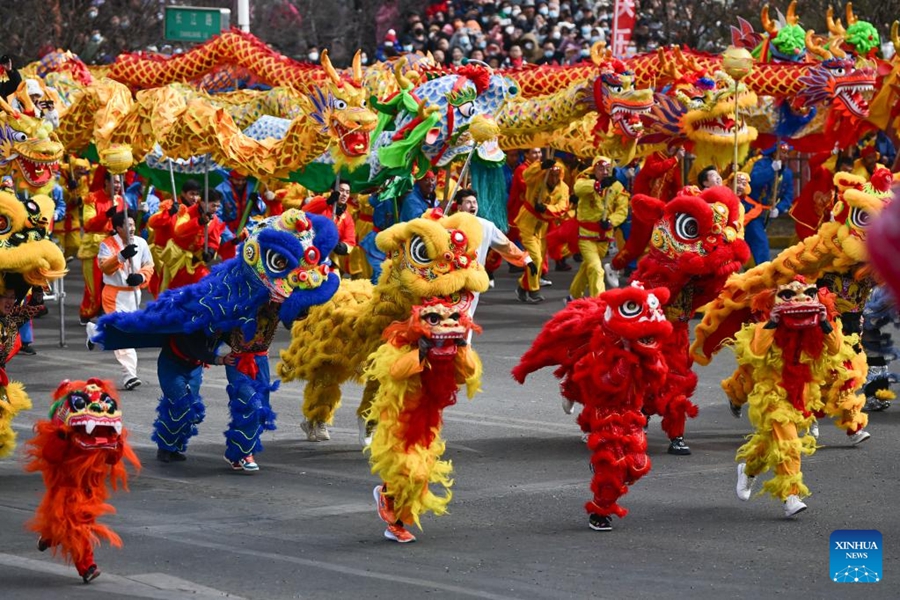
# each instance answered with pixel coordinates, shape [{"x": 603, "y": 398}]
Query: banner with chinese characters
[{"x": 623, "y": 26}]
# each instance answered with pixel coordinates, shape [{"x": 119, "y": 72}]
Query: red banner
[{"x": 623, "y": 26}]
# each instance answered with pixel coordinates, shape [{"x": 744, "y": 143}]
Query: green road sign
[{"x": 192, "y": 24}]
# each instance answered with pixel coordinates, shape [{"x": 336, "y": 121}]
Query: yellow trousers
[
  {"x": 590, "y": 273},
  {"x": 534, "y": 241}
]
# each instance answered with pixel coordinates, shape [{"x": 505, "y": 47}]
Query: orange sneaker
[
  {"x": 398, "y": 533},
  {"x": 384, "y": 505}
]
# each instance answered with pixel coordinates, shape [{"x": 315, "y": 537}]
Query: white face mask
[
  {"x": 556, "y": 35},
  {"x": 586, "y": 31},
  {"x": 544, "y": 10},
  {"x": 585, "y": 52},
  {"x": 549, "y": 53},
  {"x": 553, "y": 14},
  {"x": 313, "y": 57}
]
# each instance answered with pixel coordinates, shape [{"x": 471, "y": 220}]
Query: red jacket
[{"x": 345, "y": 226}]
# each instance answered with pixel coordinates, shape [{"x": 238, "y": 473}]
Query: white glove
[
  {"x": 776, "y": 165},
  {"x": 773, "y": 214},
  {"x": 269, "y": 195}
]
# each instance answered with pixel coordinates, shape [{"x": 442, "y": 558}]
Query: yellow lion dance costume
[
  {"x": 27, "y": 259},
  {"x": 426, "y": 257},
  {"x": 419, "y": 369}
]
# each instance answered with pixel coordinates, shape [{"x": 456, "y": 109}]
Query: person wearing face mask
[
  {"x": 313, "y": 55},
  {"x": 549, "y": 55}
]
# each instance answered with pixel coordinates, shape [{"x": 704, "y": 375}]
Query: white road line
[
  {"x": 148, "y": 585},
  {"x": 337, "y": 568}
]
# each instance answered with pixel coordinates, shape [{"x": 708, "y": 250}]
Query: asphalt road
[{"x": 305, "y": 525}]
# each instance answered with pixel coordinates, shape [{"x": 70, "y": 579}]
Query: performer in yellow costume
[
  {"x": 602, "y": 206},
  {"x": 546, "y": 199}
]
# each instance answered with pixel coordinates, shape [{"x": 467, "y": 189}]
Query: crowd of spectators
[{"x": 507, "y": 33}]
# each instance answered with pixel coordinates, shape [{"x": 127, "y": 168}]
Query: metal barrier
[{"x": 57, "y": 293}]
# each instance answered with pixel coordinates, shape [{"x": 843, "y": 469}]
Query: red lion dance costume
[
  {"x": 419, "y": 368},
  {"x": 609, "y": 352},
  {"x": 696, "y": 242},
  {"x": 78, "y": 451}
]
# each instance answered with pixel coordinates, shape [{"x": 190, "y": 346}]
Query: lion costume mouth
[
  {"x": 95, "y": 432},
  {"x": 801, "y": 315}
]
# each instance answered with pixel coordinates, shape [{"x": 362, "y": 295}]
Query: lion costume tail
[{"x": 16, "y": 400}]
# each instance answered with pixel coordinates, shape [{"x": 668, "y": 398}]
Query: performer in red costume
[
  {"x": 80, "y": 452},
  {"x": 609, "y": 354}
]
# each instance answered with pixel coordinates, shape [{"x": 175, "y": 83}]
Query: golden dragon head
[
  {"x": 340, "y": 108},
  {"x": 710, "y": 118},
  {"x": 619, "y": 104},
  {"x": 29, "y": 150}
]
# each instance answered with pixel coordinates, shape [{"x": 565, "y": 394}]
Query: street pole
[{"x": 243, "y": 10}]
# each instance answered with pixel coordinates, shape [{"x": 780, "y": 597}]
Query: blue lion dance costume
[{"x": 280, "y": 271}]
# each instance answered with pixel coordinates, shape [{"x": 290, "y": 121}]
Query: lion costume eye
[
  {"x": 5, "y": 225},
  {"x": 418, "y": 251},
  {"x": 860, "y": 218},
  {"x": 433, "y": 318},
  {"x": 630, "y": 309},
  {"x": 78, "y": 402},
  {"x": 467, "y": 109},
  {"x": 275, "y": 262},
  {"x": 686, "y": 227}
]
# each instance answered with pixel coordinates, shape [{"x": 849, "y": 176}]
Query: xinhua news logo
[{"x": 856, "y": 556}]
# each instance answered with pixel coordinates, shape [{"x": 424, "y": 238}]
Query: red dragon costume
[
  {"x": 696, "y": 242},
  {"x": 79, "y": 450},
  {"x": 608, "y": 351},
  {"x": 419, "y": 368}
]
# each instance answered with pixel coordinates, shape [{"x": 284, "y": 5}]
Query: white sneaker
[
  {"x": 546, "y": 282},
  {"x": 859, "y": 437},
  {"x": 366, "y": 430},
  {"x": 612, "y": 276},
  {"x": 568, "y": 406},
  {"x": 322, "y": 432},
  {"x": 491, "y": 284},
  {"x": 584, "y": 437},
  {"x": 310, "y": 431},
  {"x": 814, "y": 429},
  {"x": 793, "y": 505},
  {"x": 745, "y": 483}
]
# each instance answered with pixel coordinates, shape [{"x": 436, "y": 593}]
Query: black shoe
[
  {"x": 577, "y": 257},
  {"x": 678, "y": 447},
  {"x": 132, "y": 383},
  {"x": 42, "y": 544},
  {"x": 563, "y": 266},
  {"x": 534, "y": 297},
  {"x": 521, "y": 294},
  {"x": 599, "y": 523},
  {"x": 27, "y": 350},
  {"x": 514, "y": 269},
  {"x": 163, "y": 455},
  {"x": 83, "y": 321},
  {"x": 735, "y": 410},
  {"x": 92, "y": 573}
]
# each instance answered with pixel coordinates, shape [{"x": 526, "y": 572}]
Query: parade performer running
[
  {"x": 608, "y": 351},
  {"x": 419, "y": 369},
  {"x": 79, "y": 451},
  {"x": 278, "y": 275}
]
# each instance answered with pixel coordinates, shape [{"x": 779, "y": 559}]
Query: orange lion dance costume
[
  {"x": 609, "y": 354},
  {"x": 79, "y": 450}
]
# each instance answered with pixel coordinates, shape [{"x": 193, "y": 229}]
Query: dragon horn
[
  {"x": 835, "y": 46},
  {"x": 895, "y": 36},
  {"x": 851, "y": 18},
  {"x": 357, "y": 67},
  {"x": 329, "y": 69},
  {"x": 597, "y": 53},
  {"x": 834, "y": 26},
  {"x": 815, "y": 48},
  {"x": 4, "y": 105},
  {"x": 792, "y": 17},
  {"x": 767, "y": 23},
  {"x": 402, "y": 81}
]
